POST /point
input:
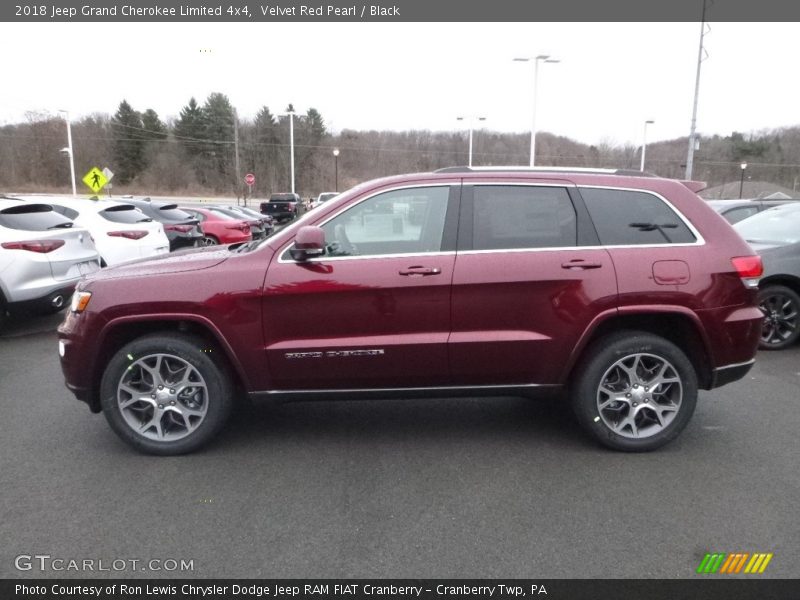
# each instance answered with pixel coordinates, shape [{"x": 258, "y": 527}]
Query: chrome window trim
[{"x": 283, "y": 260}]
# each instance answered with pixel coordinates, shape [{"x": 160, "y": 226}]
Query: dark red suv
[{"x": 628, "y": 292}]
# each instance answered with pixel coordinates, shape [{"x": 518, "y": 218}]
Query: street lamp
[
  {"x": 290, "y": 114},
  {"x": 741, "y": 180},
  {"x": 68, "y": 150},
  {"x": 471, "y": 120},
  {"x": 336, "y": 167},
  {"x": 536, "y": 60},
  {"x": 644, "y": 142}
]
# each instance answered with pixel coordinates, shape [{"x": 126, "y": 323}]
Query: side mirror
[{"x": 308, "y": 243}]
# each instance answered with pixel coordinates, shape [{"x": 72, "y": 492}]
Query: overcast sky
[{"x": 611, "y": 78}]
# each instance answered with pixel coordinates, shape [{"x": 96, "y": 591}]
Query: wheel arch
[
  {"x": 679, "y": 326},
  {"x": 121, "y": 331},
  {"x": 790, "y": 281}
]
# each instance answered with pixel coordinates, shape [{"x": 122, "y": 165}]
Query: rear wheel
[
  {"x": 209, "y": 240},
  {"x": 166, "y": 394},
  {"x": 780, "y": 306},
  {"x": 635, "y": 391}
]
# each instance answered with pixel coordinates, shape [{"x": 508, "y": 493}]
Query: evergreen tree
[
  {"x": 154, "y": 128},
  {"x": 190, "y": 128},
  {"x": 218, "y": 118},
  {"x": 128, "y": 143}
]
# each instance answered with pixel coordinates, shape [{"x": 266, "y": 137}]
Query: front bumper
[{"x": 730, "y": 373}]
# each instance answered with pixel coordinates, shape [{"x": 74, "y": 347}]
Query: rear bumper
[
  {"x": 730, "y": 373},
  {"x": 52, "y": 301}
]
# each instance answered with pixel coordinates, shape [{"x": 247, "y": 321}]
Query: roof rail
[{"x": 594, "y": 170}]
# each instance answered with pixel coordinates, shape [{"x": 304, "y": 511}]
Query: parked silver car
[
  {"x": 42, "y": 257},
  {"x": 775, "y": 235}
]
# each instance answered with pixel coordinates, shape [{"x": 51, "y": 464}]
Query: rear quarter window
[{"x": 631, "y": 218}]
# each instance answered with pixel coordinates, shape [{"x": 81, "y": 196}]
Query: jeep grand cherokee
[{"x": 628, "y": 292}]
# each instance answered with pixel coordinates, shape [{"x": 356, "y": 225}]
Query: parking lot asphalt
[{"x": 500, "y": 487}]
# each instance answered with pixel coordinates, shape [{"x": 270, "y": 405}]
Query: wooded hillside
[{"x": 194, "y": 154}]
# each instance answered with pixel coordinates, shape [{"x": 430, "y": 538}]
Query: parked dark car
[
  {"x": 775, "y": 235},
  {"x": 183, "y": 230},
  {"x": 738, "y": 210},
  {"x": 628, "y": 292},
  {"x": 283, "y": 207}
]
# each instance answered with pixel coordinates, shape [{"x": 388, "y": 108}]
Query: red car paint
[{"x": 221, "y": 228}]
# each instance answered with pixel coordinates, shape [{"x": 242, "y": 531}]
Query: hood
[{"x": 193, "y": 259}]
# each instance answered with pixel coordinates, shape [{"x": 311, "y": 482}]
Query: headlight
[{"x": 80, "y": 300}]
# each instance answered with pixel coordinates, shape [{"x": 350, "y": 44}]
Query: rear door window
[
  {"x": 632, "y": 218},
  {"x": 516, "y": 216}
]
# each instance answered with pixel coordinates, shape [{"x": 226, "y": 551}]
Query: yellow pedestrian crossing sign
[{"x": 95, "y": 179}]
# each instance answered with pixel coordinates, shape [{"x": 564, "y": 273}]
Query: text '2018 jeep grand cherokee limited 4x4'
[{"x": 628, "y": 292}]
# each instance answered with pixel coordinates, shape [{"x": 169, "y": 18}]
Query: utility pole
[
  {"x": 236, "y": 154},
  {"x": 693, "y": 131}
]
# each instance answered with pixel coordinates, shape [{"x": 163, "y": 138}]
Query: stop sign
[{"x": 249, "y": 179}]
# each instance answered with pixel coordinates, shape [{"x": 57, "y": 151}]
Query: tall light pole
[
  {"x": 693, "y": 130},
  {"x": 336, "y": 167},
  {"x": 68, "y": 150},
  {"x": 741, "y": 180},
  {"x": 644, "y": 141},
  {"x": 536, "y": 60},
  {"x": 290, "y": 114},
  {"x": 471, "y": 120}
]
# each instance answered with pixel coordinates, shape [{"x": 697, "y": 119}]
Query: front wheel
[
  {"x": 780, "y": 306},
  {"x": 166, "y": 394},
  {"x": 635, "y": 391}
]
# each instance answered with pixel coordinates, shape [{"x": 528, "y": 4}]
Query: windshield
[{"x": 780, "y": 225}]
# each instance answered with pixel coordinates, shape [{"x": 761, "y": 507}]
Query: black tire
[
  {"x": 210, "y": 240},
  {"x": 200, "y": 359},
  {"x": 781, "y": 308},
  {"x": 657, "y": 418}
]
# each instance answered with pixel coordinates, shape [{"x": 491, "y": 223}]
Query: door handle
[
  {"x": 420, "y": 271},
  {"x": 580, "y": 264}
]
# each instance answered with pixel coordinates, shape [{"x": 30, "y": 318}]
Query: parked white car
[
  {"x": 43, "y": 255},
  {"x": 121, "y": 231},
  {"x": 322, "y": 198}
]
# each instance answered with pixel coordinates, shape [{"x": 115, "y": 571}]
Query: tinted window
[
  {"x": 173, "y": 213},
  {"x": 396, "y": 222},
  {"x": 624, "y": 217},
  {"x": 33, "y": 217},
  {"x": 510, "y": 216},
  {"x": 124, "y": 213}
]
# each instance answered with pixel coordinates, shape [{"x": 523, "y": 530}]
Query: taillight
[
  {"x": 243, "y": 227},
  {"x": 749, "y": 268},
  {"x": 131, "y": 235},
  {"x": 40, "y": 246},
  {"x": 179, "y": 228}
]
